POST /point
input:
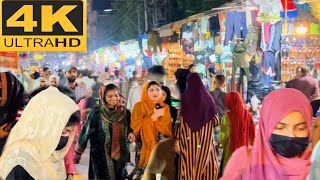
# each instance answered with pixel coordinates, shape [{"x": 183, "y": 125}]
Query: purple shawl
[{"x": 197, "y": 105}]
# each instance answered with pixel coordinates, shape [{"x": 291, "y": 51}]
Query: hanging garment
[
  {"x": 269, "y": 10},
  {"x": 314, "y": 28},
  {"x": 187, "y": 30},
  {"x": 275, "y": 37},
  {"x": 204, "y": 25},
  {"x": 152, "y": 41},
  {"x": 214, "y": 25},
  {"x": 239, "y": 60},
  {"x": 252, "y": 39},
  {"x": 235, "y": 24},
  {"x": 268, "y": 64}
]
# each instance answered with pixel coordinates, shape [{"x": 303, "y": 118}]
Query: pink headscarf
[{"x": 264, "y": 162}]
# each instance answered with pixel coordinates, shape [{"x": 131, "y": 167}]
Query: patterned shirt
[{"x": 80, "y": 92}]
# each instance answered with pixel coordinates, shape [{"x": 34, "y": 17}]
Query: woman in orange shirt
[{"x": 150, "y": 117}]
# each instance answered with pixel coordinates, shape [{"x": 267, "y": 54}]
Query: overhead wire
[{"x": 117, "y": 26}]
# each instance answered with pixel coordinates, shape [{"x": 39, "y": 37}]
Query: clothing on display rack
[
  {"x": 210, "y": 43},
  {"x": 200, "y": 57},
  {"x": 195, "y": 32},
  {"x": 147, "y": 62},
  {"x": 269, "y": 10},
  {"x": 252, "y": 39},
  {"x": 255, "y": 70},
  {"x": 239, "y": 60},
  {"x": 268, "y": 64},
  {"x": 204, "y": 25},
  {"x": 275, "y": 37},
  {"x": 214, "y": 25},
  {"x": 236, "y": 23},
  {"x": 187, "y": 30},
  {"x": 152, "y": 40},
  {"x": 314, "y": 28}
]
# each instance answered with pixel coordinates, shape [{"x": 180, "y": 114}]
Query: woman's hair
[
  {"x": 74, "y": 119},
  {"x": 191, "y": 66},
  {"x": 36, "y": 75},
  {"x": 153, "y": 83},
  {"x": 109, "y": 87}
]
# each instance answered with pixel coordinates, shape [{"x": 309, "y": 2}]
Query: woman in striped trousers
[{"x": 195, "y": 134}]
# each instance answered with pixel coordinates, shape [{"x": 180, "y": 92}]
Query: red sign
[{"x": 9, "y": 60}]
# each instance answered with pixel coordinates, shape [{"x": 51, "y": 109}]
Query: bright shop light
[{"x": 301, "y": 29}]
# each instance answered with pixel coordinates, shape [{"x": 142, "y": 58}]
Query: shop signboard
[{"x": 9, "y": 60}]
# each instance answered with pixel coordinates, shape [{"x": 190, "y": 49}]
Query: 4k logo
[{"x": 43, "y": 25}]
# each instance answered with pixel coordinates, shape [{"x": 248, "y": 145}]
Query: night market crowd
[{"x": 47, "y": 121}]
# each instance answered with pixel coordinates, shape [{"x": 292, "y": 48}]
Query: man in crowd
[
  {"x": 218, "y": 94},
  {"x": 62, "y": 79},
  {"x": 46, "y": 73},
  {"x": 212, "y": 75},
  {"x": 135, "y": 92},
  {"x": 54, "y": 81},
  {"x": 305, "y": 84},
  {"x": 42, "y": 82},
  {"x": 88, "y": 81},
  {"x": 79, "y": 90},
  {"x": 122, "y": 83},
  {"x": 105, "y": 76}
]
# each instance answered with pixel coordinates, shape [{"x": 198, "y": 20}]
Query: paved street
[{"x": 83, "y": 166}]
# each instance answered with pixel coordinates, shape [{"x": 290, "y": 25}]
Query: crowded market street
[{"x": 160, "y": 90}]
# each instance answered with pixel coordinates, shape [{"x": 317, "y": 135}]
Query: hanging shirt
[
  {"x": 269, "y": 11},
  {"x": 204, "y": 25}
]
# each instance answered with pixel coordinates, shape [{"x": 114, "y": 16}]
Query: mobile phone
[{"x": 158, "y": 106}]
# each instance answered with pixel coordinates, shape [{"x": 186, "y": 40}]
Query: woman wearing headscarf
[
  {"x": 150, "y": 117},
  {"x": 280, "y": 150},
  {"x": 196, "y": 132},
  {"x": 11, "y": 100},
  {"x": 85, "y": 106},
  {"x": 41, "y": 138},
  {"x": 163, "y": 155},
  {"x": 108, "y": 129},
  {"x": 167, "y": 100},
  {"x": 181, "y": 77},
  {"x": 237, "y": 127}
]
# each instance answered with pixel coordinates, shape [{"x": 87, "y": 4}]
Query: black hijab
[
  {"x": 197, "y": 105},
  {"x": 173, "y": 110},
  {"x": 13, "y": 97},
  {"x": 181, "y": 77}
]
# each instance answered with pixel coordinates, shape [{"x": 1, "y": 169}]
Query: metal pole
[
  {"x": 139, "y": 23},
  {"x": 145, "y": 16}
]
